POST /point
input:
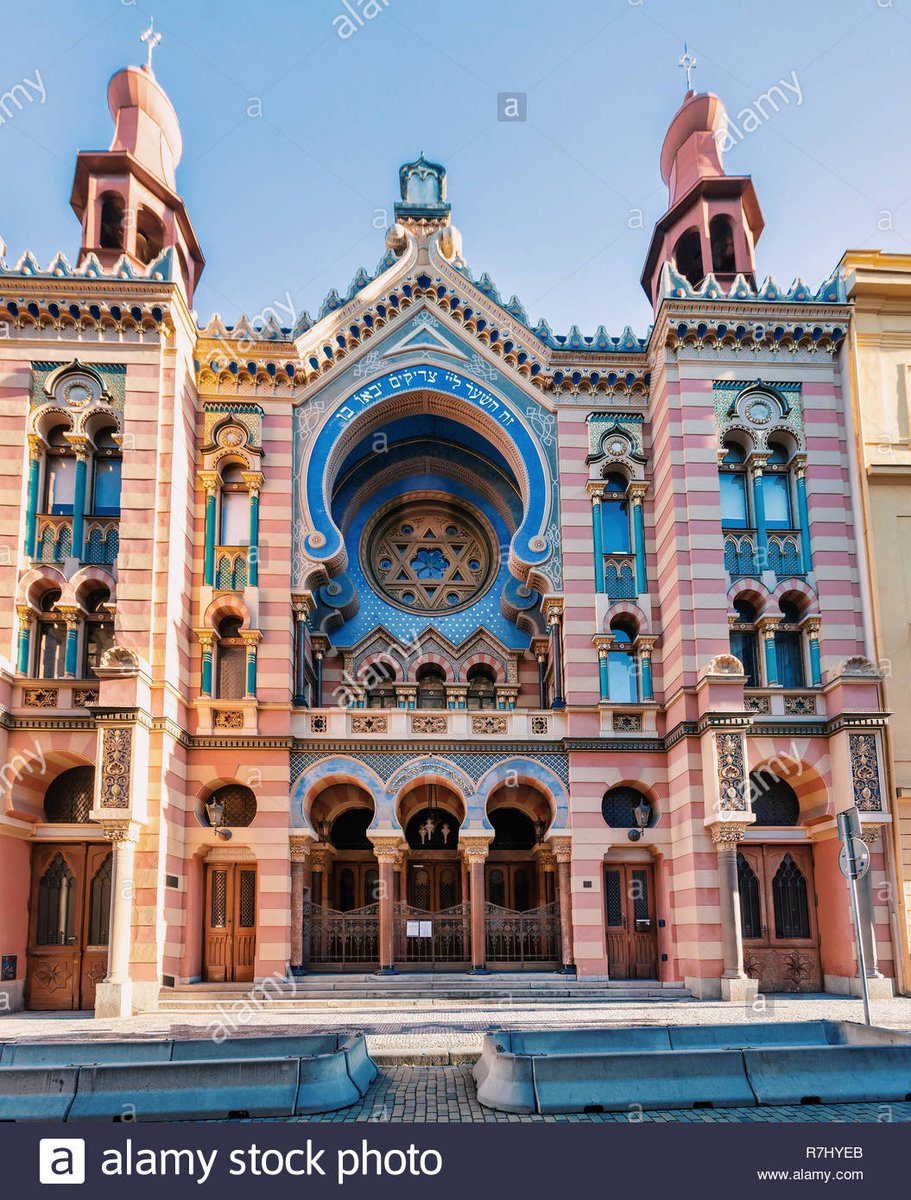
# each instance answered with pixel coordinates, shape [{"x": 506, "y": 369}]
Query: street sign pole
[{"x": 849, "y": 829}]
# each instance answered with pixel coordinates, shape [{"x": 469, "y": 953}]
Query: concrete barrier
[
  {"x": 754, "y": 1033},
  {"x": 852, "y": 1033},
  {"x": 831, "y": 1074},
  {"x": 324, "y": 1084},
  {"x": 661, "y": 1079},
  {"x": 36, "y": 1093},
  {"x": 194, "y": 1049},
  {"x": 585, "y": 1041},
  {"x": 74, "y": 1054},
  {"x": 505, "y": 1081},
  {"x": 202, "y": 1089},
  {"x": 361, "y": 1067}
]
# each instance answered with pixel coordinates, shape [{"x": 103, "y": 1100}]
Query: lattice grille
[
  {"x": 789, "y": 892},
  {"x": 246, "y": 914},
  {"x": 68, "y": 800},
  {"x": 218, "y": 915},
  {"x": 750, "y": 911},
  {"x": 613, "y": 899},
  {"x": 100, "y": 905}
]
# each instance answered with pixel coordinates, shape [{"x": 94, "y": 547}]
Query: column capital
[
  {"x": 767, "y": 626},
  {"x": 545, "y": 855},
  {"x": 474, "y": 849},
  {"x": 540, "y": 647},
  {"x": 386, "y": 847},
  {"x": 25, "y": 613},
  {"x": 553, "y": 610},
  {"x": 562, "y": 848},
  {"x": 645, "y": 644},
  {"x": 728, "y": 834},
  {"x": 321, "y": 855},
  {"x": 637, "y": 491},
  {"x": 798, "y": 464},
  {"x": 812, "y": 626},
  {"x": 35, "y": 446},
  {"x": 251, "y": 637},
  {"x": 300, "y": 845},
  {"x": 70, "y": 613},
  {"x": 869, "y": 833},
  {"x": 209, "y": 481},
  {"x": 120, "y": 831},
  {"x": 757, "y": 463},
  {"x": 205, "y": 637},
  {"x": 595, "y": 489},
  {"x": 320, "y": 645},
  {"x": 302, "y": 604},
  {"x": 80, "y": 444},
  {"x": 254, "y": 481},
  {"x": 602, "y": 643}
]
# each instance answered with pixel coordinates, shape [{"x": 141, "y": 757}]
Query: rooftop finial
[
  {"x": 151, "y": 39},
  {"x": 688, "y": 62}
]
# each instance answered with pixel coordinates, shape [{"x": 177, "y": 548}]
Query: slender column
[
  {"x": 596, "y": 491},
  {"x": 767, "y": 627},
  {"x": 603, "y": 645},
  {"x": 757, "y": 463},
  {"x": 254, "y": 482},
  {"x": 563, "y": 853},
  {"x": 387, "y": 850},
  {"x": 251, "y": 639},
  {"x": 206, "y": 638},
  {"x": 79, "y": 488},
  {"x": 554, "y": 614},
  {"x": 24, "y": 643},
  {"x": 735, "y": 983},
  {"x": 31, "y": 512},
  {"x": 803, "y": 514},
  {"x": 123, "y": 835},
  {"x": 300, "y": 653},
  {"x": 209, "y": 480},
  {"x": 475, "y": 853},
  {"x": 300, "y": 854},
  {"x": 544, "y": 856},
  {"x": 539, "y": 646},
  {"x": 645, "y": 646},
  {"x": 636, "y": 493},
  {"x": 811, "y": 625},
  {"x": 319, "y": 646},
  {"x": 71, "y": 657}
]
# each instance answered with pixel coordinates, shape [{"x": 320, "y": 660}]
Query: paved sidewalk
[{"x": 407, "y": 1094}]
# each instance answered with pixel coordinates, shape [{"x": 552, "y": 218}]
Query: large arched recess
[{"x": 405, "y": 392}]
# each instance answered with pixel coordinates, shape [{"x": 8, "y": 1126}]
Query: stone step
[{"x": 383, "y": 1000}]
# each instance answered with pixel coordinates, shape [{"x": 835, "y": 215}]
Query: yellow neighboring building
[{"x": 879, "y": 347}]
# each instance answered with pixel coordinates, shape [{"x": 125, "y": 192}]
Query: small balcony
[
  {"x": 785, "y": 702},
  {"x": 30, "y": 695},
  {"x": 232, "y": 568},
  {"x": 742, "y": 558},
  {"x": 54, "y": 539}
]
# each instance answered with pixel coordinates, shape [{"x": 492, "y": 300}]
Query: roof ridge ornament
[
  {"x": 151, "y": 38},
  {"x": 688, "y": 62},
  {"x": 423, "y": 188}
]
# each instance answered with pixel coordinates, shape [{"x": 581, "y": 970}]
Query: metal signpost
[{"x": 854, "y": 862}]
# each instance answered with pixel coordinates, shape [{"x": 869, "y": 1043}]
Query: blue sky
[{"x": 558, "y": 209}]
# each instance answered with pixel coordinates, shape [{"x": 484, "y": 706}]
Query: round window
[{"x": 429, "y": 555}]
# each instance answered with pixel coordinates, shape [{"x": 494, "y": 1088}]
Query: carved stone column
[
  {"x": 474, "y": 851},
  {"x": 113, "y": 996},
  {"x": 563, "y": 853},
  {"x": 547, "y": 866},
  {"x": 300, "y": 858},
  {"x": 387, "y": 850},
  {"x": 735, "y": 983}
]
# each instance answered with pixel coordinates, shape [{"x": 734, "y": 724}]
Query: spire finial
[
  {"x": 151, "y": 39},
  {"x": 688, "y": 62}
]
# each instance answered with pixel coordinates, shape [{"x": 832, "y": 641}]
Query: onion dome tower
[
  {"x": 713, "y": 220},
  {"x": 126, "y": 197}
]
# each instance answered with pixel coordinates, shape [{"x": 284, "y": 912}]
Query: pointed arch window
[
  {"x": 750, "y": 905},
  {"x": 56, "y": 924},
  {"x": 790, "y": 901},
  {"x": 111, "y": 228},
  {"x": 615, "y": 521}
]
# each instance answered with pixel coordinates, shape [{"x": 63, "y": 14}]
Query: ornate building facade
[{"x": 418, "y": 636}]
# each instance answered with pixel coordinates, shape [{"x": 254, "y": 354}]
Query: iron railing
[
  {"x": 446, "y": 935},
  {"x": 522, "y": 937},
  {"x": 341, "y": 939}
]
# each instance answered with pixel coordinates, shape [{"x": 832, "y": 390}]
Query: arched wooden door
[
  {"x": 229, "y": 949},
  {"x": 69, "y": 919},
  {"x": 778, "y": 915}
]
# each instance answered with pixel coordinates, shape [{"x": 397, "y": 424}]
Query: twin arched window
[
  {"x": 104, "y": 467},
  {"x": 431, "y": 687},
  {"x": 790, "y": 659},
  {"x": 97, "y": 635},
  {"x": 738, "y": 500},
  {"x": 482, "y": 690}
]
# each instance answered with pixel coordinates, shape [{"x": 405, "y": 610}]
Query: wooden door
[
  {"x": 69, "y": 921},
  {"x": 355, "y": 885},
  {"x": 229, "y": 951},
  {"x": 512, "y": 885},
  {"x": 632, "y": 935},
  {"x": 434, "y": 886},
  {"x": 778, "y": 918}
]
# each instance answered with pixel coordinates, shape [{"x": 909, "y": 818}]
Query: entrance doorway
[
  {"x": 230, "y": 923},
  {"x": 69, "y": 919},
  {"x": 778, "y": 914},
  {"x": 632, "y": 935}
]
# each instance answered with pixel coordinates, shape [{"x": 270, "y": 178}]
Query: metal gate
[
  {"x": 523, "y": 939},
  {"x": 438, "y": 939}
]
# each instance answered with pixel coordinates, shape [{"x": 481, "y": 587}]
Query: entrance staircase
[{"x": 310, "y": 992}]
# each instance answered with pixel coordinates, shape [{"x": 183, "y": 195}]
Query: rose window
[{"x": 430, "y": 556}]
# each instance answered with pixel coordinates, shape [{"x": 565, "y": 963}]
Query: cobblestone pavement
[
  {"x": 447, "y": 1026},
  {"x": 406, "y": 1094}
]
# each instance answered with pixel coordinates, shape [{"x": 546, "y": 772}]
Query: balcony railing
[
  {"x": 620, "y": 576},
  {"x": 102, "y": 540},
  {"x": 232, "y": 569},
  {"x": 742, "y": 559},
  {"x": 54, "y": 539}
]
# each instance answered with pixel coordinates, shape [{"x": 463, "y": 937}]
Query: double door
[
  {"x": 632, "y": 935},
  {"x": 229, "y": 949},
  {"x": 778, "y": 917},
  {"x": 434, "y": 885},
  {"x": 69, "y": 925}
]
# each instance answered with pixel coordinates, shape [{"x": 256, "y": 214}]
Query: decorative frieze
[
  {"x": 761, "y": 705},
  {"x": 429, "y": 723},
  {"x": 40, "y": 697},
  {"x": 371, "y": 724},
  {"x": 84, "y": 696},
  {"x": 729, "y": 758},
  {"x": 228, "y": 718},
  {"x": 800, "y": 706},
  {"x": 626, "y": 722},
  {"x": 865, "y": 772},
  {"x": 116, "y": 756}
]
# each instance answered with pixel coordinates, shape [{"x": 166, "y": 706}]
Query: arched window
[
  {"x": 688, "y": 257},
  {"x": 513, "y": 830},
  {"x": 615, "y": 515},
  {"x": 56, "y": 924},
  {"x": 349, "y": 830},
  {"x": 482, "y": 691},
  {"x": 107, "y": 471},
  {"x": 232, "y": 661},
  {"x": 68, "y": 799},
  {"x": 776, "y": 488},
  {"x": 50, "y": 654},
  {"x": 496, "y": 887},
  {"x": 789, "y": 655},
  {"x": 431, "y": 687},
  {"x": 790, "y": 901},
  {"x": 100, "y": 903},
  {"x": 149, "y": 236},
  {"x": 238, "y": 804},
  {"x": 733, "y": 483},
  {"x": 745, "y": 641},
  {"x": 750, "y": 906},
  {"x": 721, "y": 235},
  {"x": 59, "y": 473},
  {"x": 380, "y": 686},
  {"x": 623, "y": 672},
  {"x": 618, "y": 807},
  {"x": 99, "y": 631},
  {"x": 774, "y": 800},
  {"x": 235, "y": 507},
  {"x": 110, "y": 233}
]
